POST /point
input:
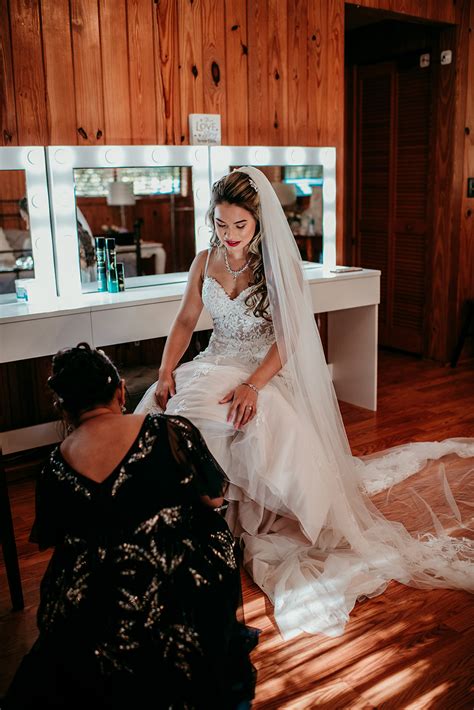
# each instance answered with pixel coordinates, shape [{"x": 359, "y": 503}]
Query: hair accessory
[
  {"x": 252, "y": 184},
  {"x": 109, "y": 379}
]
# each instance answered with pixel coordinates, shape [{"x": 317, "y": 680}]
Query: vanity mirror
[
  {"x": 305, "y": 182},
  {"x": 26, "y": 253},
  {"x": 148, "y": 201}
]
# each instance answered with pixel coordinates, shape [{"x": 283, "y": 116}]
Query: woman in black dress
[{"x": 138, "y": 604}]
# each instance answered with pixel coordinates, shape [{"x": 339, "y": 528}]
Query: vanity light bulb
[
  {"x": 296, "y": 156},
  {"x": 328, "y": 158},
  {"x": 329, "y": 191},
  {"x": 262, "y": 156}
]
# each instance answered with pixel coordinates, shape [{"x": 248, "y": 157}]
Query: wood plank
[
  {"x": 466, "y": 232},
  {"x": 8, "y": 123},
  {"x": 277, "y": 47},
  {"x": 28, "y": 70},
  {"x": 297, "y": 72},
  {"x": 318, "y": 70},
  {"x": 115, "y": 72},
  {"x": 260, "y": 130},
  {"x": 167, "y": 68},
  {"x": 59, "y": 72},
  {"x": 191, "y": 70},
  {"x": 214, "y": 61},
  {"x": 141, "y": 63},
  {"x": 335, "y": 113},
  {"x": 236, "y": 46},
  {"x": 87, "y": 71}
]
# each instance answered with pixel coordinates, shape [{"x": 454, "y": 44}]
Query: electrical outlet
[
  {"x": 204, "y": 128},
  {"x": 470, "y": 187},
  {"x": 424, "y": 61},
  {"x": 446, "y": 57}
]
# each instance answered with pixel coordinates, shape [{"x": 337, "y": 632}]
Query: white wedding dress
[{"x": 302, "y": 541}]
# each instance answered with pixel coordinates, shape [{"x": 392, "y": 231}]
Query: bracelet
[{"x": 252, "y": 387}]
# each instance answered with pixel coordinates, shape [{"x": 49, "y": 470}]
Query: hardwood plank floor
[{"x": 404, "y": 649}]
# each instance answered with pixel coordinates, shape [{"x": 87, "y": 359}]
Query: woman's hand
[
  {"x": 165, "y": 388},
  {"x": 243, "y": 407}
]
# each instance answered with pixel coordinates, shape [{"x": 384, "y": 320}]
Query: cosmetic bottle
[
  {"x": 121, "y": 275},
  {"x": 101, "y": 263},
  {"x": 112, "y": 280}
]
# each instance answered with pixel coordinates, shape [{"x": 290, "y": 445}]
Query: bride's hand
[
  {"x": 243, "y": 407},
  {"x": 165, "y": 388}
]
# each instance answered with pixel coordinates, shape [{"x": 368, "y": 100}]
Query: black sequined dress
[{"x": 140, "y": 597}]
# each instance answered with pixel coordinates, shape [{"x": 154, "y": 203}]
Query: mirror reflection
[
  {"x": 300, "y": 190},
  {"x": 145, "y": 216},
  {"x": 16, "y": 256}
]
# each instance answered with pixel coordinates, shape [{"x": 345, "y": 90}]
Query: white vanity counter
[{"x": 350, "y": 299}]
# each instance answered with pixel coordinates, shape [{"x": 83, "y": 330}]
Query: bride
[{"x": 262, "y": 396}]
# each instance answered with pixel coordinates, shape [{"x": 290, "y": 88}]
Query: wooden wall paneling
[
  {"x": 258, "y": 69},
  {"x": 88, "y": 71},
  {"x": 115, "y": 73},
  {"x": 191, "y": 70},
  {"x": 462, "y": 274},
  {"x": 334, "y": 111},
  {"x": 441, "y": 11},
  {"x": 8, "y": 125},
  {"x": 466, "y": 234},
  {"x": 28, "y": 71},
  {"x": 12, "y": 187},
  {"x": 237, "y": 87},
  {"x": 297, "y": 72},
  {"x": 167, "y": 68},
  {"x": 278, "y": 72},
  {"x": 214, "y": 61},
  {"x": 161, "y": 123},
  {"x": 59, "y": 72},
  {"x": 318, "y": 73},
  {"x": 141, "y": 67}
]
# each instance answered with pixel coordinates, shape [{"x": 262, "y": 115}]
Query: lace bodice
[{"x": 238, "y": 333}]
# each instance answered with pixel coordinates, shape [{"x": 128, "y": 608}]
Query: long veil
[{"x": 354, "y": 542}]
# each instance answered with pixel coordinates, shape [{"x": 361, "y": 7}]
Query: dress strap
[{"x": 209, "y": 251}]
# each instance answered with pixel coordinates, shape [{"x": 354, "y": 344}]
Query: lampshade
[
  {"x": 286, "y": 192},
  {"x": 120, "y": 193}
]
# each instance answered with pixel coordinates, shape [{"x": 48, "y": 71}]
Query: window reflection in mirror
[
  {"x": 300, "y": 191},
  {"x": 16, "y": 257},
  {"x": 149, "y": 212}
]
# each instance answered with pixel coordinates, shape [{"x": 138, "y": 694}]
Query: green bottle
[
  {"x": 112, "y": 277},
  {"x": 101, "y": 264}
]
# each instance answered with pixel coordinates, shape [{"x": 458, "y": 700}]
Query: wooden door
[{"x": 392, "y": 153}]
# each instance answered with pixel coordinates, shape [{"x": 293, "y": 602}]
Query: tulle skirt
[{"x": 302, "y": 541}]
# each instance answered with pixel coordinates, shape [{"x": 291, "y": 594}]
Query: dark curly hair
[
  {"x": 236, "y": 189},
  {"x": 82, "y": 378}
]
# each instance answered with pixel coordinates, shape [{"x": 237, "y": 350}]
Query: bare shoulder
[{"x": 196, "y": 271}]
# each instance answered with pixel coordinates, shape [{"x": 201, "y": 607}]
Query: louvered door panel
[
  {"x": 393, "y": 159},
  {"x": 411, "y": 208},
  {"x": 374, "y": 141}
]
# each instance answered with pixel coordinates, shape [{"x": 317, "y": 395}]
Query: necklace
[{"x": 230, "y": 270}]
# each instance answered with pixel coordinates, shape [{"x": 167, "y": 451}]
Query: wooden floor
[{"x": 404, "y": 649}]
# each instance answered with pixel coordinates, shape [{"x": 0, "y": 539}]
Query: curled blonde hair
[{"x": 236, "y": 189}]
